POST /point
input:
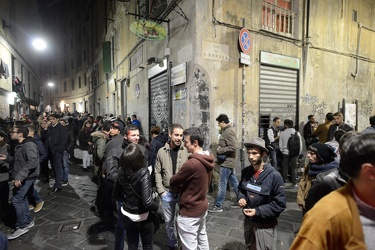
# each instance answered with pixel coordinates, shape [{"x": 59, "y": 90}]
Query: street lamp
[{"x": 39, "y": 44}]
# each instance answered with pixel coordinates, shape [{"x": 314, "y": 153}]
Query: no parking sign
[{"x": 245, "y": 41}]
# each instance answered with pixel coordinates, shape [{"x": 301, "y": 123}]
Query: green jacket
[
  {"x": 228, "y": 146},
  {"x": 163, "y": 167}
]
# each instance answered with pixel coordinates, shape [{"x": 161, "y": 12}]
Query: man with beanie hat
[
  {"x": 321, "y": 159},
  {"x": 331, "y": 180}
]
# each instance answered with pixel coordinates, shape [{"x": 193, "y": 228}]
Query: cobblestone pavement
[{"x": 66, "y": 221}]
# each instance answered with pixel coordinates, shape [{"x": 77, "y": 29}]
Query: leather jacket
[
  {"x": 324, "y": 184},
  {"x": 137, "y": 192}
]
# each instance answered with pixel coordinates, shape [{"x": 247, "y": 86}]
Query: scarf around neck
[{"x": 317, "y": 169}]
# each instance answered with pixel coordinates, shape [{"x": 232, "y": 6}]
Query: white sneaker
[
  {"x": 17, "y": 233},
  {"x": 30, "y": 225}
]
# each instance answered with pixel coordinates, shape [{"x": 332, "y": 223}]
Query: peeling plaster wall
[{"x": 332, "y": 60}]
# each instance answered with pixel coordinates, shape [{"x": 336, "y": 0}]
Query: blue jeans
[
  {"x": 169, "y": 202},
  {"x": 225, "y": 175},
  {"x": 3, "y": 241},
  {"x": 66, "y": 157},
  {"x": 273, "y": 158},
  {"x": 21, "y": 204},
  {"x": 120, "y": 231},
  {"x": 33, "y": 196}
]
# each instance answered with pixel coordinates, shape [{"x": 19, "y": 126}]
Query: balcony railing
[{"x": 277, "y": 20}]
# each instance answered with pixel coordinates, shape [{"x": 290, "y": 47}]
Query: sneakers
[
  {"x": 54, "y": 190},
  {"x": 31, "y": 207},
  {"x": 64, "y": 183},
  {"x": 215, "y": 209},
  {"x": 17, "y": 233},
  {"x": 30, "y": 225},
  {"x": 38, "y": 207}
]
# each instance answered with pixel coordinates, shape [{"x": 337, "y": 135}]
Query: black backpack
[{"x": 294, "y": 145}]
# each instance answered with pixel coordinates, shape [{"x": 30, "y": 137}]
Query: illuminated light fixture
[
  {"x": 11, "y": 97},
  {"x": 39, "y": 44}
]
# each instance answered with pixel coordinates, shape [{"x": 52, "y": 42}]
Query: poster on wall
[
  {"x": 180, "y": 94},
  {"x": 350, "y": 114}
]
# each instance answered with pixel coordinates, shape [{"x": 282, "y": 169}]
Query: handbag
[
  {"x": 221, "y": 157},
  {"x": 91, "y": 149}
]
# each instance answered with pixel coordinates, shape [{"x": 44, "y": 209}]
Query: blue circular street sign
[{"x": 245, "y": 41}]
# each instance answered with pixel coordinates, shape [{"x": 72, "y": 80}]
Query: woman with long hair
[
  {"x": 138, "y": 208},
  {"x": 83, "y": 139}
]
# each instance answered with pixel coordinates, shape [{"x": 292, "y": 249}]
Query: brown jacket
[
  {"x": 322, "y": 131},
  {"x": 304, "y": 186},
  {"x": 333, "y": 223},
  {"x": 228, "y": 146}
]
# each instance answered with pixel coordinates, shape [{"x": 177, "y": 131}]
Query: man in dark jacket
[
  {"x": 34, "y": 198},
  {"x": 25, "y": 172},
  {"x": 69, "y": 148},
  {"x": 308, "y": 130},
  {"x": 55, "y": 144},
  {"x": 262, "y": 197},
  {"x": 339, "y": 124}
]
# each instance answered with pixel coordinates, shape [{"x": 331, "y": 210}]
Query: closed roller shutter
[
  {"x": 278, "y": 93},
  {"x": 159, "y": 102}
]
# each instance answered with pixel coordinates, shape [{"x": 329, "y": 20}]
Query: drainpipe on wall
[
  {"x": 306, "y": 38},
  {"x": 358, "y": 44}
]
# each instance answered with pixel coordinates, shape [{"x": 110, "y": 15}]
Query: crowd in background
[{"x": 132, "y": 173}]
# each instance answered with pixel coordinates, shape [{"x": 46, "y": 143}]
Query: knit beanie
[{"x": 324, "y": 152}]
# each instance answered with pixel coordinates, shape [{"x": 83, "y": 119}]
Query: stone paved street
[{"x": 65, "y": 221}]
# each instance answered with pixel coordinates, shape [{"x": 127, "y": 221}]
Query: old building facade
[
  {"x": 19, "y": 61},
  {"x": 306, "y": 57}
]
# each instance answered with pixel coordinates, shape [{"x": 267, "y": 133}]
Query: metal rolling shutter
[
  {"x": 278, "y": 93},
  {"x": 159, "y": 102}
]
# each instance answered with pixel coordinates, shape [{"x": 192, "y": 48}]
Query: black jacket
[
  {"x": 138, "y": 192},
  {"x": 334, "y": 127},
  {"x": 266, "y": 194},
  {"x": 324, "y": 184},
  {"x": 84, "y": 137},
  {"x": 43, "y": 154},
  {"x": 157, "y": 143},
  {"x": 71, "y": 139},
  {"x": 56, "y": 138}
]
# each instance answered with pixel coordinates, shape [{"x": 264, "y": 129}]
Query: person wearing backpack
[{"x": 291, "y": 147}]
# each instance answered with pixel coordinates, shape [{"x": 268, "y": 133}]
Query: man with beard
[
  {"x": 261, "y": 196},
  {"x": 168, "y": 162}
]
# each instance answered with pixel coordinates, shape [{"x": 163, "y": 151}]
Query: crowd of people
[
  {"x": 173, "y": 170},
  {"x": 337, "y": 188}
]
